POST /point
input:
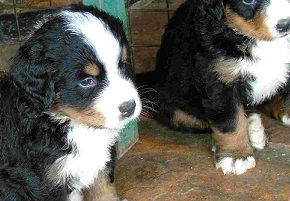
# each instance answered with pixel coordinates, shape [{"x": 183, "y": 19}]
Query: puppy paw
[
  {"x": 256, "y": 131},
  {"x": 286, "y": 120},
  {"x": 236, "y": 166},
  {"x": 279, "y": 108},
  {"x": 75, "y": 195}
]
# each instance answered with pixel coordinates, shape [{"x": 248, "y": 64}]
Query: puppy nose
[
  {"x": 283, "y": 25},
  {"x": 127, "y": 108}
]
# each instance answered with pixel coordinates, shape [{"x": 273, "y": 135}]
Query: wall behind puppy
[
  {"x": 19, "y": 17},
  {"x": 17, "y": 21},
  {"x": 146, "y": 20}
]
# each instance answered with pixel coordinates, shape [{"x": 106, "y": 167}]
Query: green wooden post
[
  {"x": 113, "y": 7},
  {"x": 116, "y": 8}
]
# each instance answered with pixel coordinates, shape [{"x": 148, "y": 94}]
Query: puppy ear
[
  {"x": 36, "y": 82},
  {"x": 214, "y": 9}
]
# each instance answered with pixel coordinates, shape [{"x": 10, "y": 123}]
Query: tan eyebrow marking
[{"x": 92, "y": 69}]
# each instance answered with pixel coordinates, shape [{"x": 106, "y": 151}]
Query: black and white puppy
[
  {"x": 216, "y": 57},
  {"x": 68, "y": 94}
]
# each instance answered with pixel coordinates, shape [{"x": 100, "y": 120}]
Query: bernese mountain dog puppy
[
  {"x": 68, "y": 93},
  {"x": 217, "y": 57}
]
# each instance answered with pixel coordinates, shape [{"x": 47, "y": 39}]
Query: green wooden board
[{"x": 114, "y": 7}]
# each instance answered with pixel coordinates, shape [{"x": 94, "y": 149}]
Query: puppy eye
[
  {"x": 88, "y": 82},
  {"x": 249, "y": 2}
]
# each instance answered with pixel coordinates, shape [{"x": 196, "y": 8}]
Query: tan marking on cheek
[
  {"x": 88, "y": 117},
  {"x": 92, "y": 69},
  {"x": 184, "y": 119},
  {"x": 235, "y": 144},
  {"x": 225, "y": 71},
  {"x": 124, "y": 55},
  {"x": 256, "y": 28},
  {"x": 100, "y": 190}
]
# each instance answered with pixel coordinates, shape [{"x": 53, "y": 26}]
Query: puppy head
[
  {"x": 259, "y": 19},
  {"x": 77, "y": 66}
]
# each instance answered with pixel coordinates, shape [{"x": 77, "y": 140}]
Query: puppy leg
[
  {"x": 181, "y": 118},
  {"x": 234, "y": 153},
  {"x": 256, "y": 131},
  {"x": 278, "y": 109},
  {"x": 101, "y": 190}
]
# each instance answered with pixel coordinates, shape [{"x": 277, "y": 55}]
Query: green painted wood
[
  {"x": 114, "y": 7},
  {"x": 129, "y": 135}
]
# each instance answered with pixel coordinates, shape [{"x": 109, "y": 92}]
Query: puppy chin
[{"x": 119, "y": 124}]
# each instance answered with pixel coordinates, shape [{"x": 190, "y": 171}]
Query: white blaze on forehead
[{"x": 96, "y": 34}]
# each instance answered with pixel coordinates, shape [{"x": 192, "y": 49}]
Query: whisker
[{"x": 148, "y": 105}]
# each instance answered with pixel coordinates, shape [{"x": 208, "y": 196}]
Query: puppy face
[
  {"x": 259, "y": 19},
  {"x": 96, "y": 86},
  {"x": 84, "y": 55}
]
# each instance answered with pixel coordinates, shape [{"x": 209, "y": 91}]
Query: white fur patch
[
  {"x": 89, "y": 155},
  {"x": 96, "y": 34},
  {"x": 270, "y": 68},
  {"x": 239, "y": 166},
  {"x": 277, "y": 10},
  {"x": 75, "y": 195},
  {"x": 270, "y": 64},
  {"x": 112, "y": 96},
  {"x": 256, "y": 131}
]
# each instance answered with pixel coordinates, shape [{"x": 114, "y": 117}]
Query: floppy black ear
[
  {"x": 36, "y": 82},
  {"x": 214, "y": 9}
]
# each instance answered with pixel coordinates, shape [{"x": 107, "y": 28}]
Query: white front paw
[
  {"x": 75, "y": 195},
  {"x": 286, "y": 120},
  {"x": 236, "y": 166},
  {"x": 256, "y": 131}
]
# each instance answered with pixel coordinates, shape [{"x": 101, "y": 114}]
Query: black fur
[
  {"x": 29, "y": 142},
  {"x": 183, "y": 65}
]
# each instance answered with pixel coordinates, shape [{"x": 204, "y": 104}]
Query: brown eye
[{"x": 88, "y": 82}]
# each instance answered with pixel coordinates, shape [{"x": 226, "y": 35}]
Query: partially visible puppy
[
  {"x": 217, "y": 57},
  {"x": 69, "y": 92}
]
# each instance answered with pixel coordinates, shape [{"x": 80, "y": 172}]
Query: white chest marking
[
  {"x": 89, "y": 155},
  {"x": 269, "y": 67}
]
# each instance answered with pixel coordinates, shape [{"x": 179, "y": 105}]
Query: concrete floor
[{"x": 168, "y": 165}]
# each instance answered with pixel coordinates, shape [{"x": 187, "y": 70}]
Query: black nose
[
  {"x": 127, "y": 108},
  {"x": 283, "y": 25}
]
